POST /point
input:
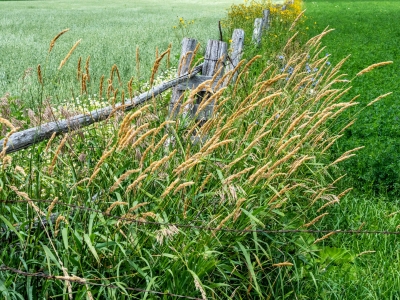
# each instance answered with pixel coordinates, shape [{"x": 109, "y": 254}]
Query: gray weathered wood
[
  {"x": 236, "y": 51},
  {"x": 187, "y": 51},
  {"x": 266, "y": 19},
  {"x": 214, "y": 60},
  {"x": 257, "y": 32},
  {"x": 194, "y": 82},
  {"x": 26, "y": 138}
]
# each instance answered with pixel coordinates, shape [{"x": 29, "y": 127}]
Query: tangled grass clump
[{"x": 159, "y": 212}]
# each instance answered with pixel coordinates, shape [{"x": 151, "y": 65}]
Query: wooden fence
[{"x": 216, "y": 62}]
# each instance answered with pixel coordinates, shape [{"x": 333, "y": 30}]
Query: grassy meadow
[{"x": 130, "y": 208}]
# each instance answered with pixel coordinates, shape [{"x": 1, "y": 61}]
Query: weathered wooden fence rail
[{"x": 215, "y": 58}]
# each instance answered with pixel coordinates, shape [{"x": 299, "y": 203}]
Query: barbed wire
[
  {"x": 213, "y": 229},
  {"x": 83, "y": 281}
]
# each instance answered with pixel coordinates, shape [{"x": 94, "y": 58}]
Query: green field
[
  {"x": 134, "y": 210},
  {"x": 367, "y": 31}
]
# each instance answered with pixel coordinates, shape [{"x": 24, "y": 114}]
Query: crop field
[
  {"x": 110, "y": 32},
  {"x": 255, "y": 202}
]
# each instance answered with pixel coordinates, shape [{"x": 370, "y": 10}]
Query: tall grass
[
  {"x": 157, "y": 205},
  {"x": 133, "y": 204}
]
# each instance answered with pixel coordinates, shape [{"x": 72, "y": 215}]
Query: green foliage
[{"x": 376, "y": 168}]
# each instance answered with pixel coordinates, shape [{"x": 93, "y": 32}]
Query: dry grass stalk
[
  {"x": 60, "y": 146},
  {"x": 144, "y": 155},
  {"x": 87, "y": 68},
  {"x": 83, "y": 84},
  {"x": 328, "y": 204},
  {"x": 69, "y": 54},
  {"x": 202, "y": 186},
  {"x": 331, "y": 142},
  {"x": 214, "y": 97},
  {"x": 51, "y": 206},
  {"x": 257, "y": 175},
  {"x": 130, "y": 135},
  {"x": 79, "y": 71},
  {"x": 122, "y": 178},
  {"x": 39, "y": 73},
  {"x": 105, "y": 155},
  {"x": 157, "y": 64},
  {"x": 379, "y": 98},
  {"x": 20, "y": 170},
  {"x": 229, "y": 179},
  {"x": 7, "y": 123},
  {"x": 170, "y": 188},
  {"x": 53, "y": 41},
  {"x": 156, "y": 164},
  {"x": 326, "y": 236},
  {"x": 280, "y": 193},
  {"x": 183, "y": 186},
  {"x": 243, "y": 72},
  {"x": 223, "y": 222},
  {"x": 217, "y": 145},
  {"x": 115, "y": 70},
  {"x": 136, "y": 183},
  {"x": 137, "y": 62},
  {"x": 315, "y": 220},
  {"x": 200, "y": 288},
  {"x": 160, "y": 143},
  {"x": 143, "y": 137},
  {"x": 344, "y": 156},
  {"x": 342, "y": 194},
  {"x": 137, "y": 206},
  {"x": 166, "y": 232},
  {"x": 371, "y": 67},
  {"x": 283, "y": 264},
  {"x": 101, "y": 87},
  {"x": 58, "y": 221},
  {"x": 93, "y": 176},
  {"x": 108, "y": 211},
  {"x": 337, "y": 180},
  {"x": 287, "y": 143},
  {"x": 292, "y": 126},
  {"x": 296, "y": 20},
  {"x": 238, "y": 211},
  {"x": 256, "y": 140},
  {"x": 27, "y": 198},
  {"x": 366, "y": 252},
  {"x": 316, "y": 39}
]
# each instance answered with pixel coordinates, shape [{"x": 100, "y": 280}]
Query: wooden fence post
[
  {"x": 236, "y": 51},
  {"x": 266, "y": 21},
  {"x": 214, "y": 60},
  {"x": 257, "y": 32},
  {"x": 260, "y": 24},
  {"x": 188, "y": 47}
]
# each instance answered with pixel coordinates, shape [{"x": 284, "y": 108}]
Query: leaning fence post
[
  {"x": 265, "y": 19},
  {"x": 236, "y": 51},
  {"x": 257, "y": 31},
  {"x": 187, "y": 51},
  {"x": 214, "y": 60}
]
